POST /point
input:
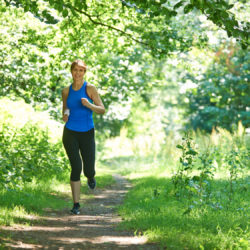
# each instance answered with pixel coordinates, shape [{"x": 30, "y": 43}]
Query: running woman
[{"x": 80, "y": 100}]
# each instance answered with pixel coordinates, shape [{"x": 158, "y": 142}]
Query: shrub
[{"x": 27, "y": 150}]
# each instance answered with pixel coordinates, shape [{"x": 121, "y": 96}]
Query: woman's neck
[{"x": 78, "y": 84}]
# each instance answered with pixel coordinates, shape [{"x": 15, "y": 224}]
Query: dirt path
[{"x": 95, "y": 228}]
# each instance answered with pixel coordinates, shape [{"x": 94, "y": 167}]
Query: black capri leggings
[{"x": 80, "y": 148}]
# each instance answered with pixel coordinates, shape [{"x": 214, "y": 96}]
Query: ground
[{"x": 95, "y": 228}]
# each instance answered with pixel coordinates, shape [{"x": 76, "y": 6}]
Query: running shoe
[
  {"x": 91, "y": 183},
  {"x": 75, "y": 210}
]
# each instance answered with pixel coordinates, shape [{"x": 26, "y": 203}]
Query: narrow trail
[{"x": 95, "y": 228}]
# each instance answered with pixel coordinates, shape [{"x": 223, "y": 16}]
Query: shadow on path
[{"x": 95, "y": 228}]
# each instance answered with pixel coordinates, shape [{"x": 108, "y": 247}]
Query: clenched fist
[
  {"x": 85, "y": 102},
  {"x": 65, "y": 118}
]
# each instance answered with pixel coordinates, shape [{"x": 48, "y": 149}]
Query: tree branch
[{"x": 113, "y": 28}]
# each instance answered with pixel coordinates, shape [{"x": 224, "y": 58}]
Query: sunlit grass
[
  {"x": 17, "y": 205},
  {"x": 36, "y": 198},
  {"x": 10, "y": 216},
  {"x": 152, "y": 209},
  {"x": 20, "y": 202}
]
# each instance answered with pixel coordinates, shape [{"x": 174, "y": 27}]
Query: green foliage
[
  {"x": 110, "y": 37},
  {"x": 144, "y": 18},
  {"x": 218, "y": 12},
  {"x": 28, "y": 66},
  {"x": 181, "y": 179},
  {"x": 201, "y": 216},
  {"x": 27, "y": 149},
  {"x": 236, "y": 163},
  {"x": 111, "y": 16},
  {"x": 164, "y": 219},
  {"x": 198, "y": 185},
  {"x": 27, "y": 153},
  {"x": 35, "y": 63},
  {"x": 221, "y": 97}
]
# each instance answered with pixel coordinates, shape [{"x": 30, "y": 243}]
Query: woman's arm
[
  {"x": 65, "y": 93},
  {"x": 98, "y": 106}
]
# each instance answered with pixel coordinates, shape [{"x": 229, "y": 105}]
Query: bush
[{"x": 27, "y": 149}]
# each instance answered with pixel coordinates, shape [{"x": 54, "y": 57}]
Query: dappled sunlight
[
  {"x": 94, "y": 228},
  {"x": 172, "y": 147},
  {"x": 18, "y": 113},
  {"x": 119, "y": 240},
  {"x": 140, "y": 145},
  {"x": 15, "y": 215},
  {"x": 154, "y": 208},
  {"x": 92, "y": 231}
]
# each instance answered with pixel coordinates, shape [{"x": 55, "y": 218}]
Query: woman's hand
[
  {"x": 85, "y": 102},
  {"x": 65, "y": 118},
  {"x": 98, "y": 106},
  {"x": 65, "y": 110}
]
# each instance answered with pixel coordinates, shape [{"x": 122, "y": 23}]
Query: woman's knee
[{"x": 75, "y": 175}]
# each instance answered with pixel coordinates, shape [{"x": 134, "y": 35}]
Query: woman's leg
[
  {"x": 71, "y": 145},
  {"x": 87, "y": 149},
  {"x": 75, "y": 188}
]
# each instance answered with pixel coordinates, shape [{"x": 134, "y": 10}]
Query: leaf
[
  {"x": 173, "y": 13},
  {"x": 229, "y": 33},
  {"x": 179, "y": 146},
  {"x": 224, "y": 14},
  {"x": 196, "y": 178},
  {"x": 26, "y": 8},
  {"x": 192, "y": 152},
  {"x": 178, "y": 5},
  {"x": 187, "y": 211},
  {"x": 65, "y": 13},
  {"x": 244, "y": 46},
  {"x": 201, "y": 3},
  {"x": 188, "y": 8},
  {"x": 59, "y": 6}
]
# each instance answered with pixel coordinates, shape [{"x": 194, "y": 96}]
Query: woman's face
[{"x": 78, "y": 72}]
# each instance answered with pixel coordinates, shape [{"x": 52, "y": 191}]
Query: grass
[
  {"x": 32, "y": 200},
  {"x": 24, "y": 206},
  {"x": 134, "y": 166},
  {"x": 37, "y": 197},
  {"x": 151, "y": 208}
]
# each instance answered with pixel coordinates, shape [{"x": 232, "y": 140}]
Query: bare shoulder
[
  {"x": 91, "y": 87},
  {"x": 65, "y": 91},
  {"x": 91, "y": 90},
  {"x": 93, "y": 94}
]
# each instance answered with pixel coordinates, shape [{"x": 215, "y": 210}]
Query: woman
[{"x": 80, "y": 100}]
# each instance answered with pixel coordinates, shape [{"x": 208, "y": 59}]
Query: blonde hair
[{"x": 79, "y": 63}]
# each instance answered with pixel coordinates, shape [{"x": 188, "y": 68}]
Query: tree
[
  {"x": 122, "y": 43},
  {"x": 141, "y": 21},
  {"x": 221, "y": 97}
]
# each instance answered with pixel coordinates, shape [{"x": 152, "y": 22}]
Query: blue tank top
[{"x": 80, "y": 118}]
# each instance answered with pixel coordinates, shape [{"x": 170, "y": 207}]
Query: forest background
[{"x": 174, "y": 78}]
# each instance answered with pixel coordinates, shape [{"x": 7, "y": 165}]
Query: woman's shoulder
[
  {"x": 65, "y": 90},
  {"x": 91, "y": 90},
  {"x": 90, "y": 85}
]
